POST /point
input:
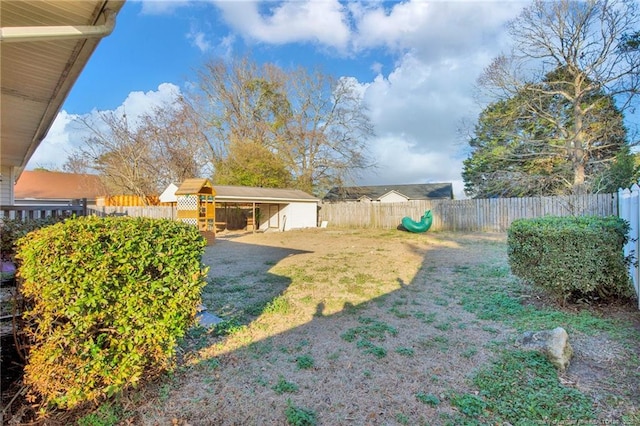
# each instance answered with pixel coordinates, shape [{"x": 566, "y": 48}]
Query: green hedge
[
  {"x": 110, "y": 298},
  {"x": 572, "y": 256}
]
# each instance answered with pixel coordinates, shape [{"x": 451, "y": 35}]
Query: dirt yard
[{"x": 367, "y": 327}]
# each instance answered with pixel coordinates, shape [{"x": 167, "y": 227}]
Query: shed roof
[
  {"x": 45, "y": 185},
  {"x": 249, "y": 194},
  {"x": 195, "y": 186},
  {"x": 237, "y": 194},
  {"x": 425, "y": 191}
]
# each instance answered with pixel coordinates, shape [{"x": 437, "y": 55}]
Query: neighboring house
[
  {"x": 45, "y": 46},
  {"x": 391, "y": 193},
  {"x": 41, "y": 187}
]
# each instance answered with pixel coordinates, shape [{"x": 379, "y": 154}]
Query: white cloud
[
  {"x": 60, "y": 141},
  {"x": 139, "y": 103},
  {"x": 417, "y": 111},
  {"x": 321, "y": 22},
  {"x": 199, "y": 39},
  {"x": 433, "y": 29}
]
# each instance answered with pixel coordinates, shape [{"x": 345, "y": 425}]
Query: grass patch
[
  {"x": 524, "y": 385},
  {"x": 405, "y": 351},
  {"x": 106, "y": 415},
  {"x": 469, "y": 405},
  {"x": 305, "y": 362},
  {"x": 493, "y": 294},
  {"x": 371, "y": 329},
  {"x": 229, "y": 327},
  {"x": 403, "y": 419},
  {"x": 362, "y": 279},
  {"x": 280, "y": 305},
  {"x": 283, "y": 386},
  {"x": 211, "y": 363},
  {"x": 441, "y": 302},
  {"x": 398, "y": 313},
  {"x": 443, "y": 326},
  {"x": 370, "y": 348},
  {"x": 425, "y": 318},
  {"x": 428, "y": 398},
  {"x": 469, "y": 353},
  {"x": 300, "y": 416},
  {"x": 237, "y": 288},
  {"x": 261, "y": 349}
]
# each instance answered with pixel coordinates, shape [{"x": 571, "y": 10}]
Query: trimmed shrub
[
  {"x": 572, "y": 256},
  {"x": 110, "y": 297}
]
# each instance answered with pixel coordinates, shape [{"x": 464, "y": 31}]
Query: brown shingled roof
[
  {"x": 45, "y": 185},
  {"x": 226, "y": 193}
]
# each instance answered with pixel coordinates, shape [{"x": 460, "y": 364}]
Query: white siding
[
  {"x": 285, "y": 217},
  {"x": 299, "y": 215},
  {"x": 6, "y": 186},
  {"x": 393, "y": 197}
]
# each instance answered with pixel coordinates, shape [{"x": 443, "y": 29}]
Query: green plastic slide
[{"x": 422, "y": 226}]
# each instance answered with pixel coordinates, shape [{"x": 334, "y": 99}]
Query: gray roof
[
  {"x": 424, "y": 191},
  {"x": 239, "y": 194}
]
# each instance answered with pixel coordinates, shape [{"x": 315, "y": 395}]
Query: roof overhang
[
  {"x": 262, "y": 200},
  {"x": 44, "y": 45}
]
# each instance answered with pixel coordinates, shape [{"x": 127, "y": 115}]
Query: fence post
[
  {"x": 634, "y": 217},
  {"x": 628, "y": 209}
]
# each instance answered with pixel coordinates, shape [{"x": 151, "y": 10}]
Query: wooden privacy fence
[
  {"x": 485, "y": 215},
  {"x": 629, "y": 208},
  {"x": 128, "y": 200}
]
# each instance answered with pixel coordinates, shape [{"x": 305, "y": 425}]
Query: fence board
[{"x": 483, "y": 215}]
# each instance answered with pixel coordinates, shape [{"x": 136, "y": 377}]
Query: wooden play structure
[{"x": 195, "y": 202}]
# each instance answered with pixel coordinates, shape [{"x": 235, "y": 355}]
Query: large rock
[
  {"x": 553, "y": 343},
  {"x": 206, "y": 319}
]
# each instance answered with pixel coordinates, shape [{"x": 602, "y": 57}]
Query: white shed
[
  {"x": 273, "y": 209},
  {"x": 269, "y": 209}
]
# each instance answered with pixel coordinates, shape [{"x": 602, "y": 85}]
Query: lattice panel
[
  {"x": 190, "y": 221},
  {"x": 187, "y": 202}
]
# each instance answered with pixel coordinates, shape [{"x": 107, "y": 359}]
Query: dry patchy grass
[{"x": 385, "y": 322}]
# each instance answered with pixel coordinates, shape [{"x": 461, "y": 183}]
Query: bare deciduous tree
[
  {"x": 142, "y": 158},
  {"x": 315, "y": 125}
]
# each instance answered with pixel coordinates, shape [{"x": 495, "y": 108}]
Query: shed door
[{"x": 273, "y": 216}]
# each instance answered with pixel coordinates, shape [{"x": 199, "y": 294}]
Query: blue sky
[{"x": 416, "y": 63}]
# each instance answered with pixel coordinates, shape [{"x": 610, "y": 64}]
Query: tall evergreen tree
[{"x": 519, "y": 151}]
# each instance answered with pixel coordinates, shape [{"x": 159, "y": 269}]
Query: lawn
[{"x": 383, "y": 327}]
